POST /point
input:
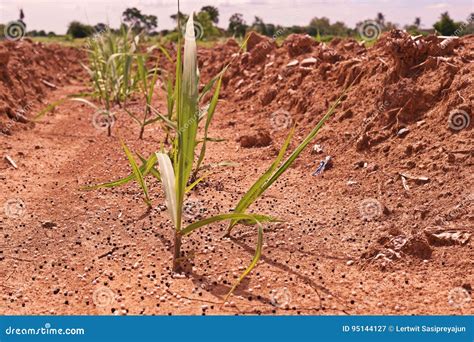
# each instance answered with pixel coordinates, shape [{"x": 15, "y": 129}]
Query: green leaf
[
  {"x": 165, "y": 52},
  {"x": 187, "y": 115},
  {"x": 151, "y": 88},
  {"x": 196, "y": 182},
  {"x": 141, "y": 69},
  {"x": 133, "y": 116},
  {"x": 210, "y": 115},
  {"x": 255, "y": 218},
  {"x": 264, "y": 182},
  {"x": 147, "y": 167},
  {"x": 166, "y": 120},
  {"x": 49, "y": 108},
  {"x": 257, "y": 188},
  {"x": 225, "y": 217},
  {"x": 170, "y": 98},
  {"x": 154, "y": 172},
  {"x": 126, "y": 73},
  {"x": 137, "y": 173},
  {"x": 89, "y": 103},
  {"x": 59, "y": 102},
  {"x": 256, "y": 258}
]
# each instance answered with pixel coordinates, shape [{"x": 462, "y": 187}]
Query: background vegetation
[{"x": 212, "y": 29}]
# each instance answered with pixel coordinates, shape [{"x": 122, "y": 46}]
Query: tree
[
  {"x": 21, "y": 18},
  {"x": 446, "y": 26},
  {"x": 182, "y": 17},
  {"x": 270, "y": 30},
  {"x": 339, "y": 29},
  {"x": 100, "y": 27},
  {"x": 297, "y": 29},
  {"x": 138, "y": 21},
  {"x": 415, "y": 27},
  {"x": 237, "y": 25},
  {"x": 320, "y": 25},
  {"x": 213, "y": 13},
  {"x": 380, "y": 19},
  {"x": 417, "y": 22},
  {"x": 79, "y": 30},
  {"x": 205, "y": 23},
  {"x": 259, "y": 26},
  {"x": 470, "y": 24}
]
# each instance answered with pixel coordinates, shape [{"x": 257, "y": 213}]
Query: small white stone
[{"x": 308, "y": 61}]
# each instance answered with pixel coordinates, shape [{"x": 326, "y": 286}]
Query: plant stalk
[
  {"x": 177, "y": 252},
  {"x": 142, "y": 128}
]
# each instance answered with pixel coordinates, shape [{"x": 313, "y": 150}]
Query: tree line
[{"x": 207, "y": 20}]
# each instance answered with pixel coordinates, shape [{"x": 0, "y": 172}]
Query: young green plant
[
  {"x": 175, "y": 167},
  {"x": 176, "y": 175},
  {"x": 110, "y": 67},
  {"x": 146, "y": 83}
]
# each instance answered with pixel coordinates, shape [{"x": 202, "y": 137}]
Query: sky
[{"x": 54, "y": 16}]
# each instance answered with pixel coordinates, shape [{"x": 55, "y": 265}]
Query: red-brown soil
[
  {"x": 27, "y": 71},
  {"x": 359, "y": 238}
]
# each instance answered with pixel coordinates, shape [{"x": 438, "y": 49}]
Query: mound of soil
[
  {"x": 398, "y": 115},
  {"x": 400, "y": 80},
  {"x": 28, "y": 71}
]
